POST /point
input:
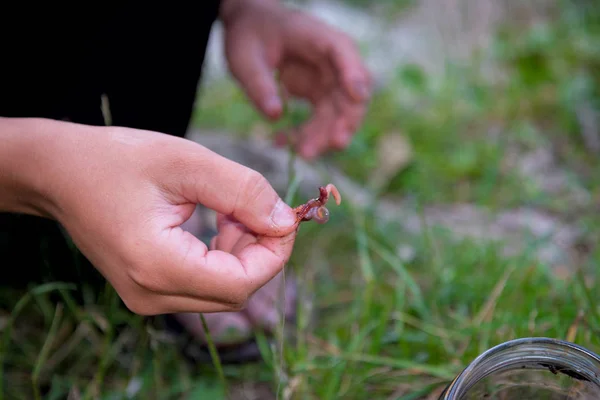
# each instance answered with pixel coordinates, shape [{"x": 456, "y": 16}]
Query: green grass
[{"x": 380, "y": 327}]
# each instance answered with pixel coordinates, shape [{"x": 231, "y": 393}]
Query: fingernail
[
  {"x": 272, "y": 105},
  {"x": 282, "y": 215}
]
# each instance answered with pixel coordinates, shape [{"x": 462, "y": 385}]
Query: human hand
[
  {"x": 122, "y": 195},
  {"x": 315, "y": 62}
]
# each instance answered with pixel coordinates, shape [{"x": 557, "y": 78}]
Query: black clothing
[{"x": 57, "y": 60}]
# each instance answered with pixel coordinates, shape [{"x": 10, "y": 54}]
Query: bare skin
[
  {"x": 315, "y": 62},
  {"x": 262, "y": 309},
  {"x": 124, "y": 194}
]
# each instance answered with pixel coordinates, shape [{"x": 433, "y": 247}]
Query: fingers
[
  {"x": 232, "y": 236},
  {"x": 169, "y": 269},
  {"x": 305, "y": 80},
  {"x": 315, "y": 135},
  {"x": 355, "y": 78},
  {"x": 265, "y": 259},
  {"x": 333, "y": 124},
  {"x": 336, "y": 116},
  {"x": 250, "y": 265},
  {"x": 316, "y": 41},
  {"x": 198, "y": 175},
  {"x": 157, "y": 304},
  {"x": 248, "y": 64},
  {"x": 350, "y": 115},
  {"x": 183, "y": 276}
]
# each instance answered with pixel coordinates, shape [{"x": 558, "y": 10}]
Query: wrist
[{"x": 29, "y": 152}]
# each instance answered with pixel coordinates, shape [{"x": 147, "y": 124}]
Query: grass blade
[
  {"x": 339, "y": 369},
  {"x": 43, "y": 356},
  {"x": 592, "y": 304},
  {"x": 213, "y": 352},
  {"x": 397, "y": 266},
  {"x": 438, "y": 372},
  {"x": 366, "y": 265},
  {"x": 23, "y": 301}
]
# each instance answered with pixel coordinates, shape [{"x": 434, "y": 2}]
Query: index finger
[
  {"x": 219, "y": 276},
  {"x": 191, "y": 173},
  {"x": 355, "y": 76}
]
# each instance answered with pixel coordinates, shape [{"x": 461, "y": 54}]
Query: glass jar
[{"x": 529, "y": 368}]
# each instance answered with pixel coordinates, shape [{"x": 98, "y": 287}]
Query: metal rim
[{"x": 452, "y": 389}]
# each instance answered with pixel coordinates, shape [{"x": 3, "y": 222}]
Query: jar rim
[{"x": 457, "y": 386}]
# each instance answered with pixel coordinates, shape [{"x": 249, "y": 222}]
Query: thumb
[
  {"x": 231, "y": 189},
  {"x": 248, "y": 64}
]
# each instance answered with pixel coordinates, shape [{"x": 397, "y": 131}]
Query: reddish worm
[{"x": 314, "y": 209}]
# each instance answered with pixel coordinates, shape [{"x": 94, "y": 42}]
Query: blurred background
[{"x": 471, "y": 216}]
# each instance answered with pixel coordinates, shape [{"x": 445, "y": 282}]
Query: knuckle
[
  {"x": 324, "y": 46},
  {"x": 254, "y": 187},
  {"x": 140, "y": 305},
  {"x": 145, "y": 276},
  {"x": 240, "y": 295},
  {"x": 237, "y": 306},
  {"x": 240, "y": 298}
]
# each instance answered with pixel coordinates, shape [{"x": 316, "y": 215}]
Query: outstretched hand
[{"x": 315, "y": 62}]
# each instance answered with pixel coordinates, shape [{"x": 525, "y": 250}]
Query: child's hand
[
  {"x": 315, "y": 62},
  {"x": 122, "y": 195}
]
